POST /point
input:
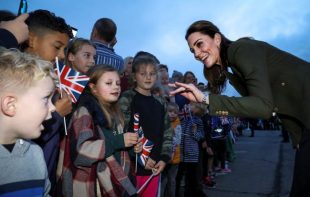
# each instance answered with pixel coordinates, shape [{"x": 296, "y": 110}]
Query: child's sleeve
[
  {"x": 199, "y": 134},
  {"x": 47, "y": 186},
  {"x": 125, "y": 105},
  {"x": 89, "y": 148},
  {"x": 117, "y": 141}
]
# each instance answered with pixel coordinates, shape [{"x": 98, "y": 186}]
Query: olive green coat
[{"x": 269, "y": 80}]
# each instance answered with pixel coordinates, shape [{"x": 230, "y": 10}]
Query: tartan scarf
[{"x": 107, "y": 173}]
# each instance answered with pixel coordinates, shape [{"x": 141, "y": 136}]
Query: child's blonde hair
[{"x": 19, "y": 71}]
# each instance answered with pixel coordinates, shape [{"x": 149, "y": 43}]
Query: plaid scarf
[{"x": 83, "y": 169}]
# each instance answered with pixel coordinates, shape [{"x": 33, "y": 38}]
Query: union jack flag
[
  {"x": 185, "y": 113},
  {"x": 147, "y": 145},
  {"x": 71, "y": 81},
  {"x": 146, "y": 151}
]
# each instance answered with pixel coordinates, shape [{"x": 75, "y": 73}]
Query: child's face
[
  {"x": 108, "y": 87},
  {"x": 145, "y": 77},
  {"x": 84, "y": 59},
  {"x": 173, "y": 115},
  {"x": 189, "y": 78},
  {"x": 164, "y": 78},
  {"x": 129, "y": 67},
  {"x": 32, "y": 108},
  {"x": 49, "y": 46}
]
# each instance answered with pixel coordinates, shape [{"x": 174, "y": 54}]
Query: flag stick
[
  {"x": 136, "y": 163},
  {"x": 58, "y": 74},
  {"x": 144, "y": 184}
]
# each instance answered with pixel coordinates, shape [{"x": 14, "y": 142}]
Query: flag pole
[
  {"x": 58, "y": 74},
  {"x": 146, "y": 182},
  {"x": 136, "y": 130}
]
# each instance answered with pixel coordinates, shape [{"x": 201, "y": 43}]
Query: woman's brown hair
[{"x": 215, "y": 75}]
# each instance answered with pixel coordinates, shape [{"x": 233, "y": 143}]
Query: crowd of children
[{"x": 113, "y": 141}]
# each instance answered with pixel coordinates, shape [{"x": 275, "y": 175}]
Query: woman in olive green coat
[{"x": 269, "y": 80}]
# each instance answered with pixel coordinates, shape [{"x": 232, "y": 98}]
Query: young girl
[
  {"x": 95, "y": 158},
  {"x": 154, "y": 121},
  {"x": 80, "y": 55}
]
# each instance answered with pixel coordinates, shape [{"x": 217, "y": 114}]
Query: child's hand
[
  {"x": 64, "y": 105},
  {"x": 130, "y": 139},
  {"x": 138, "y": 147},
  {"x": 210, "y": 151},
  {"x": 204, "y": 144},
  {"x": 159, "y": 167},
  {"x": 150, "y": 164}
]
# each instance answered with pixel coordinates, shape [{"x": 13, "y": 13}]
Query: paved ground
[{"x": 263, "y": 168}]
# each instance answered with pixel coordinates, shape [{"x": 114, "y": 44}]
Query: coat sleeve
[
  {"x": 125, "y": 105},
  {"x": 7, "y": 39},
  {"x": 249, "y": 60},
  {"x": 89, "y": 148}
]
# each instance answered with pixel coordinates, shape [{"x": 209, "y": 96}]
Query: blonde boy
[{"x": 26, "y": 86}]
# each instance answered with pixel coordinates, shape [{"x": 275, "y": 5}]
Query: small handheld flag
[
  {"x": 185, "y": 113},
  {"x": 71, "y": 81},
  {"x": 147, "y": 145}
]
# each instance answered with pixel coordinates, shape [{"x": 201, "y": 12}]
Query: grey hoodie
[{"x": 23, "y": 171}]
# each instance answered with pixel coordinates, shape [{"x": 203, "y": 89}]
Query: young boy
[
  {"x": 168, "y": 178},
  {"x": 48, "y": 38},
  {"x": 48, "y": 35},
  {"x": 26, "y": 87}
]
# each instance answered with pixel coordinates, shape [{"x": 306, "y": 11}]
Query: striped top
[
  {"x": 190, "y": 139},
  {"x": 106, "y": 55}
]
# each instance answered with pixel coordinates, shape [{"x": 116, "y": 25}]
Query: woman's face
[{"x": 205, "y": 48}]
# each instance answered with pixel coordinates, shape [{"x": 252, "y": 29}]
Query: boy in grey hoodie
[{"x": 26, "y": 86}]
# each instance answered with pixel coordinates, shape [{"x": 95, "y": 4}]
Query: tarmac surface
[{"x": 263, "y": 168}]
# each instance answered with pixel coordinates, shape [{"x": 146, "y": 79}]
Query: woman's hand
[{"x": 190, "y": 91}]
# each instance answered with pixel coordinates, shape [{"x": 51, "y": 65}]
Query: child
[
  {"x": 168, "y": 179},
  {"x": 193, "y": 133},
  {"x": 95, "y": 155},
  {"x": 26, "y": 87},
  {"x": 219, "y": 132},
  {"x": 80, "y": 55},
  {"x": 48, "y": 37},
  {"x": 154, "y": 120}
]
